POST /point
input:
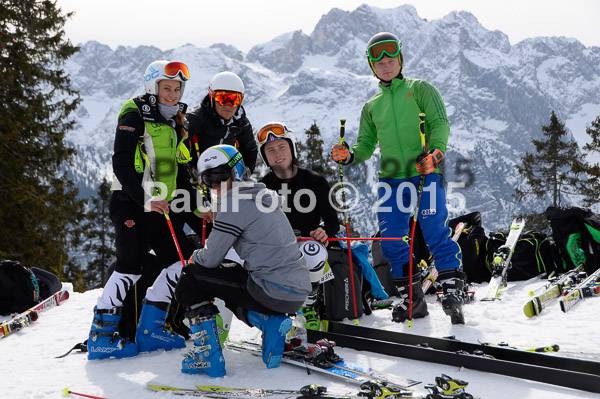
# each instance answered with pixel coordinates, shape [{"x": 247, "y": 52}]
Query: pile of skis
[
  {"x": 571, "y": 287},
  {"x": 321, "y": 357},
  {"x": 25, "y": 318},
  {"x": 566, "y": 372}
]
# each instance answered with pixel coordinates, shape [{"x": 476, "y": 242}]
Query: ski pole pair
[{"x": 414, "y": 218}]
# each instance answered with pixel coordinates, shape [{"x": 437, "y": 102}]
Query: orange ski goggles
[
  {"x": 172, "y": 69},
  {"x": 228, "y": 98},
  {"x": 270, "y": 133}
]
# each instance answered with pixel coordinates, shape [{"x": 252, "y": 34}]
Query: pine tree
[
  {"x": 590, "y": 186},
  {"x": 100, "y": 236},
  {"x": 312, "y": 155},
  {"x": 549, "y": 169},
  {"x": 38, "y": 204}
]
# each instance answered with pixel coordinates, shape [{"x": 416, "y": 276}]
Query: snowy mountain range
[{"x": 497, "y": 95}]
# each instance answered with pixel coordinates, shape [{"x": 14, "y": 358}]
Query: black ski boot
[
  {"x": 454, "y": 295},
  {"x": 419, "y": 308}
]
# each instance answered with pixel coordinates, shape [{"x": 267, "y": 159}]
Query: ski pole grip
[
  {"x": 342, "y": 130},
  {"x": 422, "y": 132}
]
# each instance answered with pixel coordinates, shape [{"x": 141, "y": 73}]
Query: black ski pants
[{"x": 138, "y": 231}]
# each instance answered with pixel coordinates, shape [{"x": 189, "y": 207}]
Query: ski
[
  {"x": 539, "y": 349},
  {"x": 445, "y": 387},
  {"x": 563, "y": 371},
  {"x": 320, "y": 357},
  {"x": 587, "y": 288},
  {"x": 550, "y": 291},
  {"x": 502, "y": 259},
  {"x": 25, "y": 318}
]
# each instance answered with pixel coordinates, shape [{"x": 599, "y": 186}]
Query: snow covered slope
[{"x": 29, "y": 368}]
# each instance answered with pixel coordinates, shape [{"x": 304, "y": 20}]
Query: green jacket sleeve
[
  {"x": 436, "y": 120},
  {"x": 367, "y": 137}
]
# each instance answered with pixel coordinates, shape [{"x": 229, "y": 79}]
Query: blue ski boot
[
  {"x": 104, "y": 340},
  {"x": 274, "y": 329},
  {"x": 151, "y": 333},
  {"x": 207, "y": 354}
]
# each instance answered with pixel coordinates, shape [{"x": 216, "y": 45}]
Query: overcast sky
[{"x": 245, "y": 23}]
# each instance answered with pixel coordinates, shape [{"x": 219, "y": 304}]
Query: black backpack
[
  {"x": 576, "y": 232},
  {"x": 472, "y": 242},
  {"x": 533, "y": 255},
  {"x": 19, "y": 288},
  {"x": 337, "y": 296}
]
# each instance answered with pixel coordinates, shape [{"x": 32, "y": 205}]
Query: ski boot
[
  {"x": 312, "y": 318},
  {"x": 207, "y": 354},
  {"x": 454, "y": 295},
  {"x": 400, "y": 310},
  {"x": 151, "y": 332},
  {"x": 104, "y": 340},
  {"x": 274, "y": 329}
]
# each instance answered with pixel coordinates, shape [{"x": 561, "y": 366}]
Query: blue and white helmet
[{"x": 219, "y": 162}]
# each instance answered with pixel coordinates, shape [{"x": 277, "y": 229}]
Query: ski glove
[
  {"x": 341, "y": 153},
  {"x": 427, "y": 163}
]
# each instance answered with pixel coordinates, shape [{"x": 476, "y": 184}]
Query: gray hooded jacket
[{"x": 249, "y": 218}]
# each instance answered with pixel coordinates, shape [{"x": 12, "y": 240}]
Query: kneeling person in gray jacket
[{"x": 273, "y": 281}]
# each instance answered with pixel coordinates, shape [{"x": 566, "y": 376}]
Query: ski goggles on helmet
[
  {"x": 228, "y": 98},
  {"x": 391, "y": 48},
  {"x": 172, "y": 69},
  {"x": 216, "y": 175},
  {"x": 270, "y": 133}
]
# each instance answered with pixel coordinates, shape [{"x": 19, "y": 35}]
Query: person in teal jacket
[
  {"x": 391, "y": 119},
  {"x": 148, "y": 164}
]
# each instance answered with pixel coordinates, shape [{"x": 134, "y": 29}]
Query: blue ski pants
[{"x": 396, "y": 200}]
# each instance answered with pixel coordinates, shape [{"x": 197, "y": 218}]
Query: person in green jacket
[
  {"x": 391, "y": 118},
  {"x": 148, "y": 164}
]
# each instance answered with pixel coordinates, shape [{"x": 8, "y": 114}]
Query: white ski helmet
[
  {"x": 219, "y": 162},
  {"x": 273, "y": 131},
  {"x": 226, "y": 81},
  {"x": 163, "y": 69},
  {"x": 315, "y": 255}
]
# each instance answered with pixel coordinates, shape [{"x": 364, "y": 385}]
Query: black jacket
[
  {"x": 206, "y": 128},
  {"x": 308, "y": 221}
]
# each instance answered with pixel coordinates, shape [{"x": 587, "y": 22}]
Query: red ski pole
[
  {"x": 174, "y": 238},
  {"x": 67, "y": 391}
]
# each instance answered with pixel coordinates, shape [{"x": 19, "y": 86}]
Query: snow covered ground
[{"x": 29, "y": 368}]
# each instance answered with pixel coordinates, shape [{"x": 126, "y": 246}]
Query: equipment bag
[
  {"x": 472, "y": 242},
  {"x": 19, "y": 288},
  {"x": 532, "y": 256},
  {"x": 337, "y": 293},
  {"x": 576, "y": 232},
  {"x": 383, "y": 268}
]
